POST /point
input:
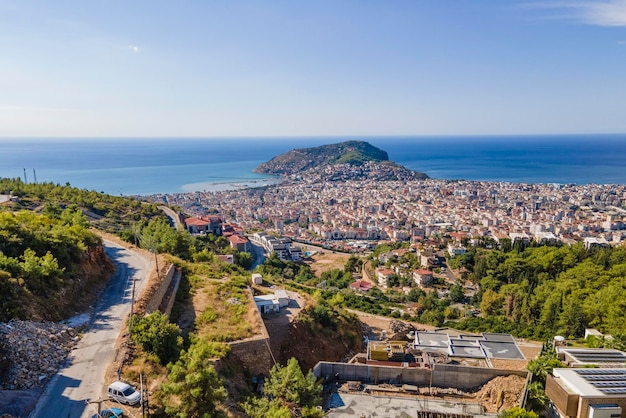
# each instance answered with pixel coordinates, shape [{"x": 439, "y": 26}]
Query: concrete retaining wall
[
  {"x": 254, "y": 355},
  {"x": 443, "y": 375},
  {"x": 255, "y": 352},
  {"x": 170, "y": 295},
  {"x": 368, "y": 373},
  {"x": 465, "y": 377},
  {"x": 158, "y": 292}
]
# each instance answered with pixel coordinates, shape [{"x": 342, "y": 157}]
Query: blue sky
[{"x": 311, "y": 68}]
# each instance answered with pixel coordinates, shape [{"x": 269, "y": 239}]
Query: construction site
[{"x": 433, "y": 375}]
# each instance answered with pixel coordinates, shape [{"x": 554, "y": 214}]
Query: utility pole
[
  {"x": 98, "y": 403},
  {"x": 136, "y": 232},
  {"x": 156, "y": 261},
  {"x": 145, "y": 407},
  {"x": 132, "y": 307},
  {"x": 151, "y": 244},
  {"x": 25, "y": 178}
]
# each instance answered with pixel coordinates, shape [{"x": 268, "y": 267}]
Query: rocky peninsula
[{"x": 349, "y": 160}]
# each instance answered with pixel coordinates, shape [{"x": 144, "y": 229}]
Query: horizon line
[{"x": 279, "y": 137}]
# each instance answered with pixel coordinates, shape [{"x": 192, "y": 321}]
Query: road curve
[
  {"x": 82, "y": 377},
  {"x": 174, "y": 218}
]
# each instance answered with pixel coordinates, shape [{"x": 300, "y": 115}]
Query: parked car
[
  {"x": 110, "y": 413},
  {"x": 123, "y": 393}
]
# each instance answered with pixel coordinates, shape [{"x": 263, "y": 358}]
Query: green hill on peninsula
[
  {"x": 297, "y": 160},
  {"x": 353, "y": 153}
]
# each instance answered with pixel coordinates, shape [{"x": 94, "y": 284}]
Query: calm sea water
[{"x": 149, "y": 166}]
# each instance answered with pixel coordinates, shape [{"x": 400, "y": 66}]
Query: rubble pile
[
  {"x": 400, "y": 327},
  {"x": 501, "y": 393},
  {"x": 399, "y": 330},
  {"x": 33, "y": 352}
]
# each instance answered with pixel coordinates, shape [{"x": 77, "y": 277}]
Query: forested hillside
[
  {"x": 49, "y": 259},
  {"x": 50, "y": 266},
  {"x": 545, "y": 291},
  {"x": 297, "y": 160},
  {"x": 106, "y": 212}
]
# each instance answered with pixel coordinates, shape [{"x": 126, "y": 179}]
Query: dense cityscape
[{"x": 334, "y": 213}]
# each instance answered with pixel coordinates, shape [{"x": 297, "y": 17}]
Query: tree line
[{"x": 544, "y": 291}]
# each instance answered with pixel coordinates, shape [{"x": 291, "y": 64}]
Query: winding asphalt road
[
  {"x": 174, "y": 218},
  {"x": 83, "y": 376}
]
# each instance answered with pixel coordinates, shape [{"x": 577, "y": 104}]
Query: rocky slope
[{"x": 32, "y": 352}]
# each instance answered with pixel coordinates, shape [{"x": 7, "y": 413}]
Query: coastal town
[
  {"x": 323, "y": 209},
  {"x": 418, "y": 296},
  {"x": 356, "y": 214}
]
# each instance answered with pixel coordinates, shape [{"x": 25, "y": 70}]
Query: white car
[{"x": 123, "y": 393}]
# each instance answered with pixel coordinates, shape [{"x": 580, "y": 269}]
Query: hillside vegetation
[
  {"x": 297, "y": 160},
  {"x": 50, "y": 266},
  {"x": 545, "y": 291},
  {"x": 109, "y": 213}
]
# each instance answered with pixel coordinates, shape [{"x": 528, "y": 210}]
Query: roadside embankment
[{"x": 30, "y": 354}]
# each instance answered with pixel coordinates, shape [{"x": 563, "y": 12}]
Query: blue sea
[{"x": 151, "y": 166}]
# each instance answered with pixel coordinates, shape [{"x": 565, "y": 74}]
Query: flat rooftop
[
  {"x": 357, "y": 405},
  {"x": 599, "y": 356},
  {"x": 488, "y": 345},
  {"x": 503, "y": 338},
  {"x": 502, "y": 350},
  {"x": 431, "y": 339},
  {"x": 465, "y": 351},
  {"x": 594, "y": 382}
]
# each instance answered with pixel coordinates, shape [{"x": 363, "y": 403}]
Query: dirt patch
[
  {"x": 189, "y": 311},
  {"x": 310, "y": 342},
  {"x": 374, "y": 325},
  {"x": 530, "y": 349},
  {"x": 501, "y": 393},
  {"x": 326, "y": 260},
  {"x": 278, "y": 325},
  {"x": 508, "y": 364},
  {"x": 114, "y": 238}
]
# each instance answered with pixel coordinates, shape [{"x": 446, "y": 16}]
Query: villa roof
[
  {"x": 361, "y": 285},
  {"x": 237, "y": 239},
  {"x": 202, "y": 220}
]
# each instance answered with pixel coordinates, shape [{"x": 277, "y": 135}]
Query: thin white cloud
[
  {"x": 40, "y": 109},
  {"x": 591, "y": 12},
  {"x": 133, "y": 48},
  {"x": 621, "y": 42}
]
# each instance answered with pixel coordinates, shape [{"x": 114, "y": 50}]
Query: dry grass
[
  {"x": 221, "y": 311},
  {"x": 153, "y": 373},
  {"x": 326, "y": 260}
]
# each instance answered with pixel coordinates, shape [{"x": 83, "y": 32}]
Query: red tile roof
[
  {"x": 195, "y": 222},
  {"x": 386, "y": 272},
  {"x": 202, "y": 220},
  {"x": 361, "y": 285},
  {"x": 237, "y": 239}
]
